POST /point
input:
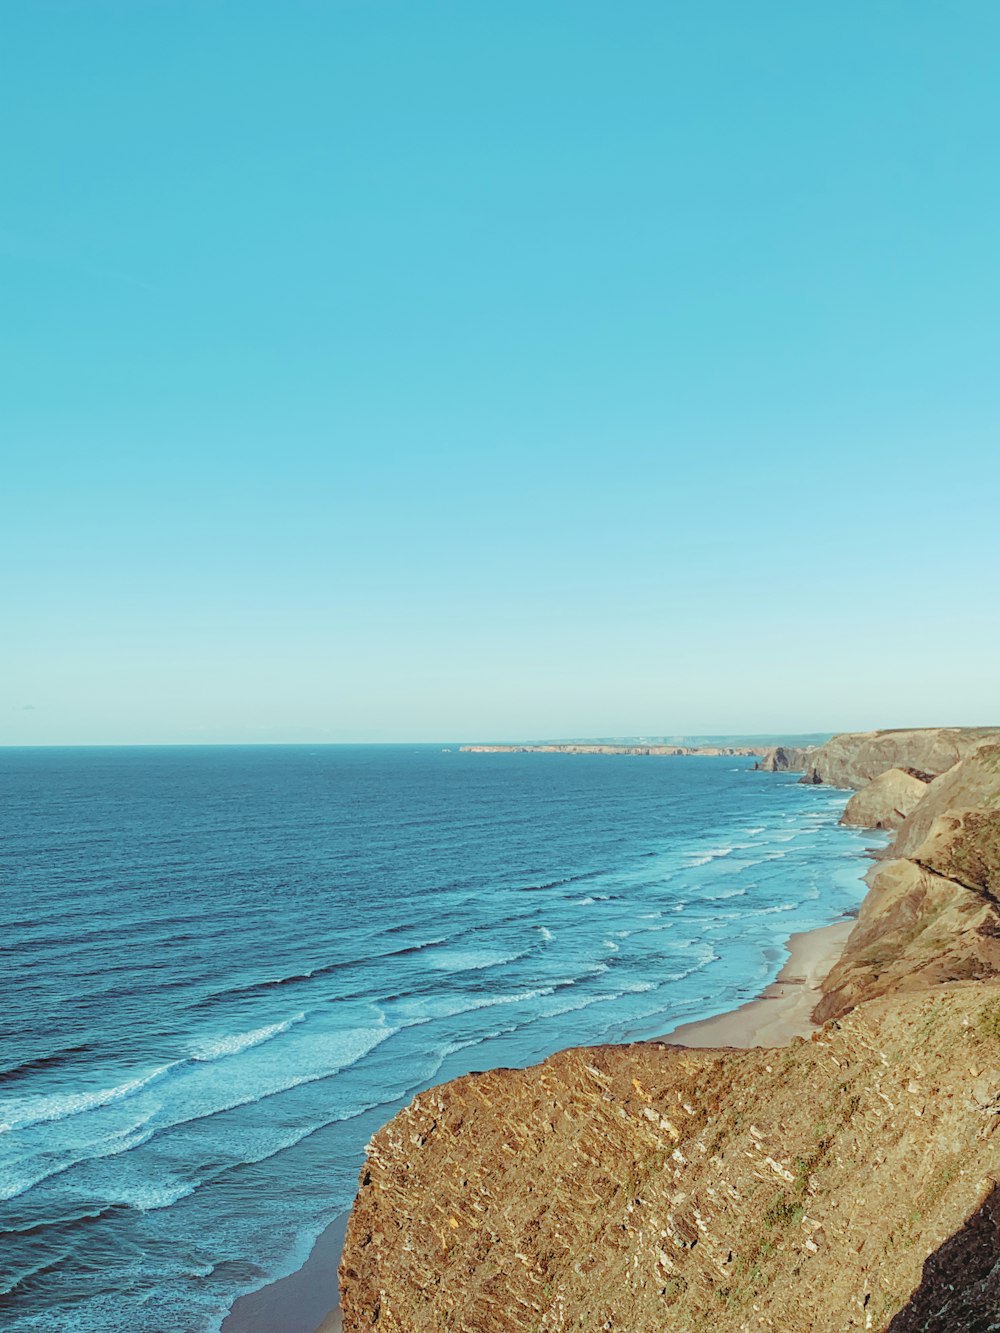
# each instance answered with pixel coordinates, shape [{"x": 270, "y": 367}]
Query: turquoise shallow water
[{"x": 223, "y": 969}]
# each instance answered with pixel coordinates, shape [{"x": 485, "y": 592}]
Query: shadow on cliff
[{"x": 960, "y": 1286}]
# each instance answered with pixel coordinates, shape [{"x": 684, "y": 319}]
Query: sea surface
[{"x": 223, "y": 968}]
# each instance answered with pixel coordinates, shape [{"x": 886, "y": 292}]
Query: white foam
[
  {"x": 120, "y": 1141},
  {"x": 713, "y": 854},
  {"x": 469, "y": 960},
  {"x": 151, "y": 1198},
  {"x": 19, "y": 1112},
  {"x": 419, "y": 1010},
  {"x": 217, "y": 1048}
]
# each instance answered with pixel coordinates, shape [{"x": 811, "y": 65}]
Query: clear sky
[{"x": 498, "y": 369}]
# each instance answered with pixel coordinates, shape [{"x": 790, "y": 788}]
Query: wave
[
  {"x": 351, "y": 1048},
  {"x": 472, "y": 960},
  {"x": 39, "y": 1110},
  {"x": 25, "y": 1068},
  {"x": 415, "y": 1011},
  {"x": 560, "y": 883},
  {"x": 120, "y": 1141},
  {"x": 46, "y": 1265},
  {"x": 217, "y": 1048},
  {"x": 225, "y": 995},
  {"x": 708, "y": 957}
]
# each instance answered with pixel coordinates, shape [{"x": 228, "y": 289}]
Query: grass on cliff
[{"x": 988, "y": 1021}]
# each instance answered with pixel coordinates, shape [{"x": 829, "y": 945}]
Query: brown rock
[
  {"x": 972, "y": 784},
  {"x": 887, "y": 800},
  {"x": 805, "y": 1191},
  {"x": 854, "y": 759},
  {"x": 786, "y": 758}
]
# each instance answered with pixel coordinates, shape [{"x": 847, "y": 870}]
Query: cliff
[
  {"x": 887, "y": 800},
  {"x": 584, "y": 748},
  {"x": 931, "y": 914},
  {"x": 786, "y": 758},
  {"x": 845, "y": 1182},
  {"x": 649, "y": 1187},
  {"x": 854, "y": 759}
]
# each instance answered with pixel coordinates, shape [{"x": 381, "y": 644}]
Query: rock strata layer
[{"x": 847, "y": 1182}]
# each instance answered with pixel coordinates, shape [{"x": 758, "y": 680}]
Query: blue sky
[{"x": 418, "y": 370}]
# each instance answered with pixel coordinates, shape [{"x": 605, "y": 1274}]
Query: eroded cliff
[
  {"x": 887, "y": 800},
  {"x": 845, "y": 1182},
  {"x": 649, "y": 1187},
  {"x": 854, "y": 759},
  {"x": 931, "y": 914}
]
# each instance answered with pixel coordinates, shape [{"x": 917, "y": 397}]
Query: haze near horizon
[{"x": 384, "y": 371}]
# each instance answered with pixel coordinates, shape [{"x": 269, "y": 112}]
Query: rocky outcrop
[
  {"x": 648, "y": 1187},
  {"x": 786, "y": 758},
  {"x": 972, "y": 784},
  {"x": 932, "y": 914},
  {"x": 885, "y": 802},
  {"x": 917, "y": 929},
  {"x": 856, "y": 758},
  {"x": 847, "y": 1182}
]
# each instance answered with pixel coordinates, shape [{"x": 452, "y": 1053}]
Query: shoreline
[
  {"x": 299, "y": 1302},
  {"x": 774, "y": 1018},
  {"x": 783, "y": 1010}
]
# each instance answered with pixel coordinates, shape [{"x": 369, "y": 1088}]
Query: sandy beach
[
  {"x": 306, "y": 1301},
  {"x": 332, "y": 1324},
  {"x": 782, "y": 1011}
]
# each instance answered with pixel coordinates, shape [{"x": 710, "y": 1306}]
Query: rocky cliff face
[
  {"x": 972, "y": 784},
  {"x": 887, "y": 800},
  {"x": 781, "y": 758},
  {"x": 932, "y": 914},
  {"x": 847, "y": 1182},
  {"x": 647, "y": 1187},
  {"x": 854, "y": 759}
]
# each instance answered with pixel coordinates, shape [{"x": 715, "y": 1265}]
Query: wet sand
[
  {"x": 783, "y": 1010},
  {"x": 306, "y": 1301}
]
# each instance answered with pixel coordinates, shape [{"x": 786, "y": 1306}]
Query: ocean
[{"x": 224, "y": 968}]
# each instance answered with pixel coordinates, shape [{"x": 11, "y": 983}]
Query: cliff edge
[
  {"x": 853, "y": 759},
  {"x": 849, "y": 1181}
]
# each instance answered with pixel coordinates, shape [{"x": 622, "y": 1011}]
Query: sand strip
[
  {"x": 783, "y": 1010},
  {"x": 296, "y": 1303}
]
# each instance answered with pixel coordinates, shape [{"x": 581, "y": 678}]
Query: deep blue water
[{"x": 223, "y": 969}]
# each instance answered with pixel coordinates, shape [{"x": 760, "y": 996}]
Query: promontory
[{"x": 848, "y": 1180}]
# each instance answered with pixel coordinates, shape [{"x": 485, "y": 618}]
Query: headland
[{"x": 787, "y": 1176}]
